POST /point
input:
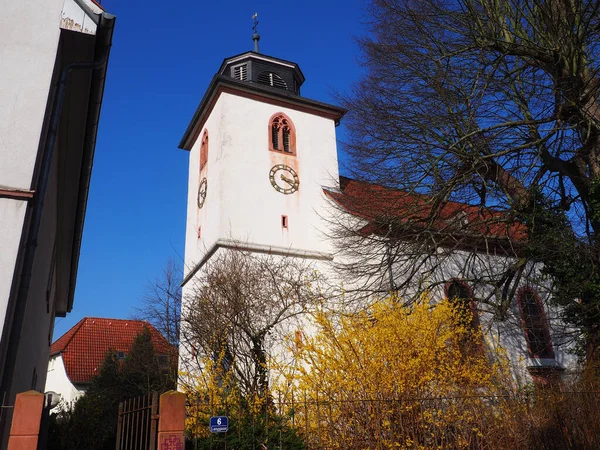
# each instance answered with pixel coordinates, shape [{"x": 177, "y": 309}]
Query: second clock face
[
  {"x": 284, "y": 179},
  {"x": 202, "y": 192}
]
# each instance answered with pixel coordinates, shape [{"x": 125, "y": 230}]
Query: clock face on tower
[
  {"x": 202, "y": 192},
  {"x": 284, "y": 179}
]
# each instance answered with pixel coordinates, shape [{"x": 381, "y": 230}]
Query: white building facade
[{"x": 54, "y": 59}]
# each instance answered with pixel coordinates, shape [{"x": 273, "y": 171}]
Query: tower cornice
[{"x": 224, "y": 84}]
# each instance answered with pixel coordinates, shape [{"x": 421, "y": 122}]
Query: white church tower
[{"x": 260, "y": 155}]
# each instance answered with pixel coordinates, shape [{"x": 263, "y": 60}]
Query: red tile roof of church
[
  {"x": 84, "y": 347},
  {"x": 376, "y": 203}
]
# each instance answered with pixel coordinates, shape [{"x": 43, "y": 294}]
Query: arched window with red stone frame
[
  {"x": 204, "y": 150},
  {"x": 282, "y": 134},
  {"x": 535, "y": 324}
]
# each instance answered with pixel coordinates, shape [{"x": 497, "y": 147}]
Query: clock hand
[{"x": 287, "y": 180}]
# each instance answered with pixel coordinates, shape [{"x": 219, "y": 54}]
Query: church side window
[
  {"x": 282, "y": 134},
  {"x": 204, "y": 150},
  {"x": 535, "y": 325},
  {"x": 461, "y": 298}
]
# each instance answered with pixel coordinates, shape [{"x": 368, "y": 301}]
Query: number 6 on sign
[{"x": 219, "y": 424}]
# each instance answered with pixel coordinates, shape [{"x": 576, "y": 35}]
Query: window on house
[
  {"x": 535, "y": 325},
  {"x": 121, "y": 355},
  {"x": 282, "y": 135},
  {"x": 163, "y": 361},
  {"x": 204, "y": 150}
]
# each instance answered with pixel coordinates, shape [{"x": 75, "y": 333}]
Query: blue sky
[{"x": 163, "y": 57}]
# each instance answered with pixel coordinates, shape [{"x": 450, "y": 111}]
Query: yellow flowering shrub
[
  {"x": 253, "y": 419},
  {"x": 395, "y": 377}
]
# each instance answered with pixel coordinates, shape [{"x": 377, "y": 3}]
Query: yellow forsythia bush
[{"x": 397, "y": 377}]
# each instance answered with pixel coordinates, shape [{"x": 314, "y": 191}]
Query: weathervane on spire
[{"x": 255, "y": 36}]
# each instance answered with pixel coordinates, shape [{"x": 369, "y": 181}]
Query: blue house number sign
[{"x": 219, "y": 424}]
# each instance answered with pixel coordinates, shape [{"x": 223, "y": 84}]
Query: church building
[{"x": 264, "y": 175}]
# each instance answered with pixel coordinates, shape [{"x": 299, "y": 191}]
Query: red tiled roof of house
[
  {"x": 84, "y": 347},
  {"x": 379, "y": 205}
]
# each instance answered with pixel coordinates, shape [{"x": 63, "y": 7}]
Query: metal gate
[{"x": 137, "y": 428}]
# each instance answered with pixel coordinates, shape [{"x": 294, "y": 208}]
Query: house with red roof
[{"x": 76, "y": 357}]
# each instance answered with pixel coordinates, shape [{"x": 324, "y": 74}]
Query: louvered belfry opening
[
  {"x": 241, "y": 72},
  {"x": 271, "y": 79}
]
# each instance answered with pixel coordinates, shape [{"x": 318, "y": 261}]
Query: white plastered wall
[
  {"x": 58, "y": 381},
  {"x": 12, "y": 215},
  {"x": 30, "y": 34}
]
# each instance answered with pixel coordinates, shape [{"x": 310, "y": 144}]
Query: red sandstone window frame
[
  {"x": 542, "y": 322},
  {"x": 282, "y": 134},
  {"x": 204, "y": 150}
]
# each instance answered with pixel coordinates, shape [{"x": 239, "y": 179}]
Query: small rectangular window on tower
[{"x": 284, "y": 222}]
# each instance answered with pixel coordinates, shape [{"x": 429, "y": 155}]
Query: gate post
[
  {"x": 26, "y": 419},
  {"x": 171, "y": 421}
]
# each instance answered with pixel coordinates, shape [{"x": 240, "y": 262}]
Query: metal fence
[
  {"x": 137, "y": 427},
  {"x": 567, "y": 420}
]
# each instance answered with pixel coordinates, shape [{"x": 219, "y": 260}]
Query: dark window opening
[
  {"x": 163, "y": 361},
  {"x": 535, "y": 326},
  {"x": 286, "y": 139},
  {"x": 284, "y": 221},
  {"x": 461, "y": 299},
  {"x": 275, "y": 135},
  {"x": 460, "y": 296}
]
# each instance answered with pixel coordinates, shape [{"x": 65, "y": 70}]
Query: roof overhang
[
  {"x": 78, "y": 155},
  {"x": 81, "y": 15},
  {"x": 223, "y": 84}
]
